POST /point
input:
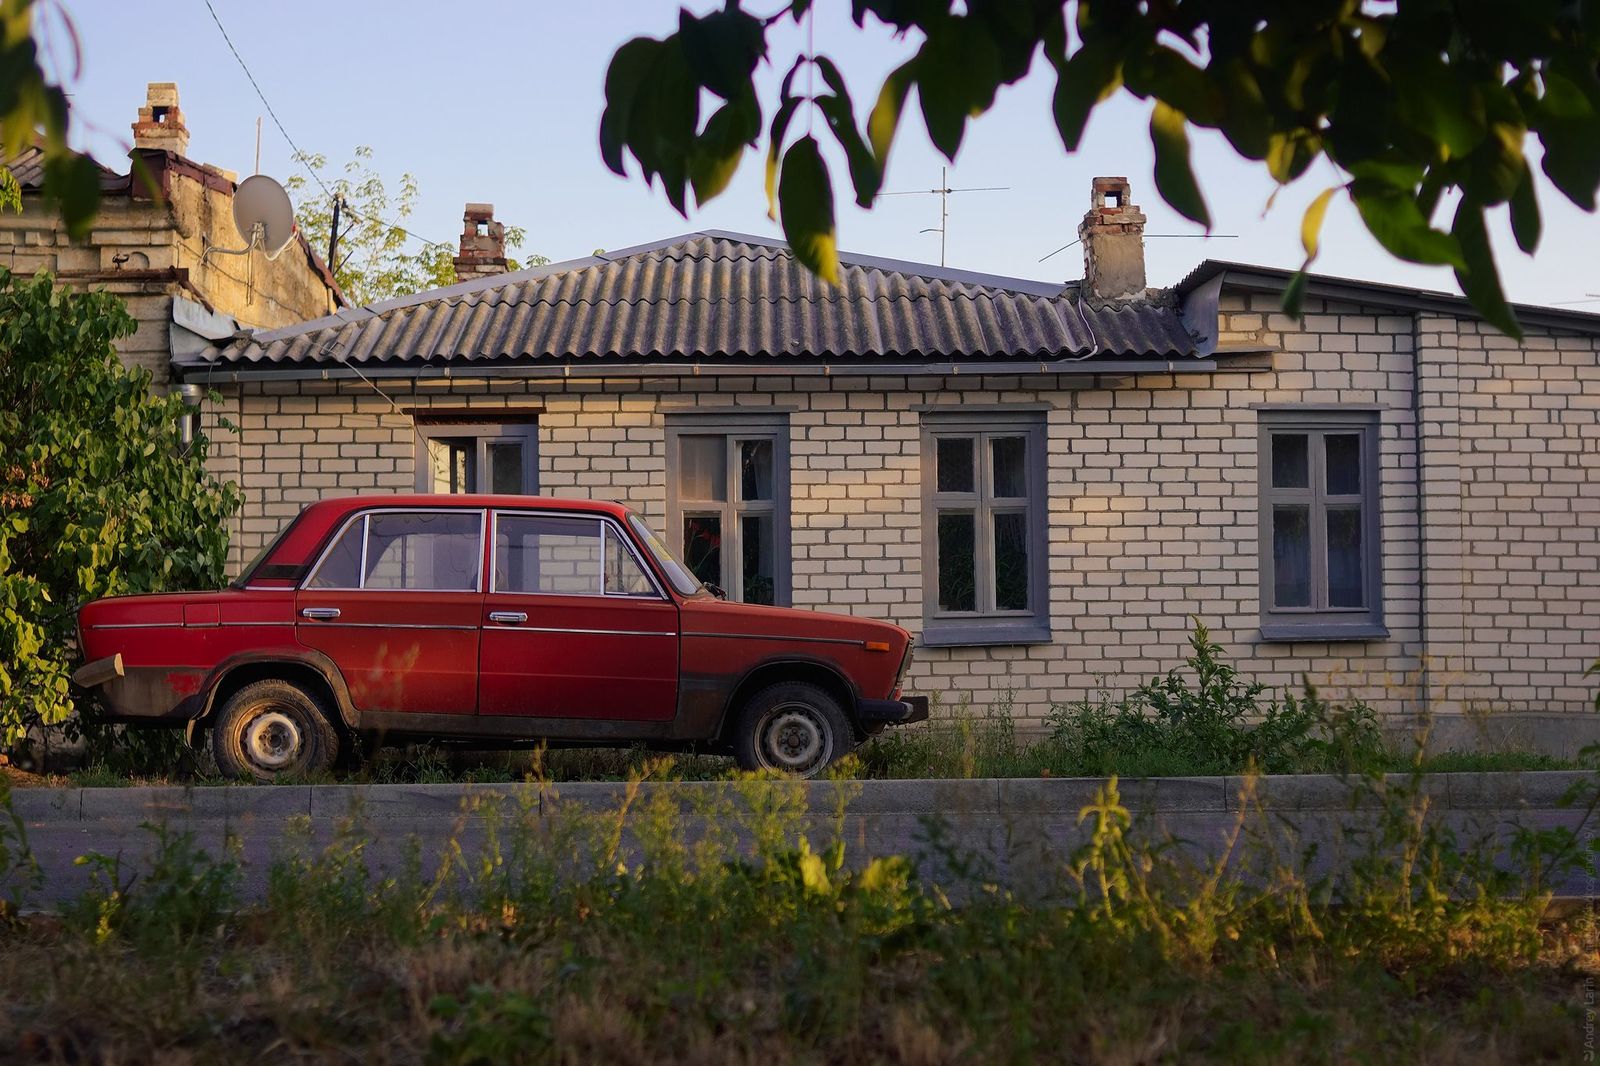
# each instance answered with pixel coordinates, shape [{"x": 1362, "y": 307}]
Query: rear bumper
[
  {"x": 902, "y": 711},
  {"x": 142, "y": 695}
]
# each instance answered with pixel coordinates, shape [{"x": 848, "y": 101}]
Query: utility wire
[{"x": 299, "y": 155}]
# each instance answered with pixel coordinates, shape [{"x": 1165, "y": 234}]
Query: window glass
[
  {"x": 1010, "y": 466},
  {"x": 1291, "y": 556},
  {"x": 451, "y": 463},
  {"x": 547, "y": 554},
  {"x": 624, "y": 575},
  {"x": 1291, "y": 464},
  {"x": 703, "y": 469},
  {"x": 436, "y": 551},
  {"x": 505, "y": 467},
  {"x": 755, "y": 470},
  {"x": 955, "y": 461},
  {"x": 958, "y": 568},
  {"x": 341, "y": 567},
  {"x": 1344, "y": 463},
  {"x": 1011, "y": 561},
  {"x": 757, "y": 543},
  {"x": 702, "y": 546},
  {"x": 1345, "y": 585}
]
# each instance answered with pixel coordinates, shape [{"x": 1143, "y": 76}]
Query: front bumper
[{"x": 902, "y": 711}]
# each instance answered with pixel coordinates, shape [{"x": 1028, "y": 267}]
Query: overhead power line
[{"x": 299, "y": 155}]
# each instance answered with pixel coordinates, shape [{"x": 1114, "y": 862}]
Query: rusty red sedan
[{"x": 492, "y": 620}]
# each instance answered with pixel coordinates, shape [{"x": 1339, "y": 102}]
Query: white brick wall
[{"x": 1153, "y": 499}]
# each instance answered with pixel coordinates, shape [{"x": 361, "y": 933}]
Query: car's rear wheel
[
  {"x": 793, "y": 727},
  {"x": 273, "y": 729}
]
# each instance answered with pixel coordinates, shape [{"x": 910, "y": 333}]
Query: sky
[{"x": 499, "y": 102}]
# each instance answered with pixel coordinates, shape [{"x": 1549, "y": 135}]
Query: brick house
[{"x": 1044, "y": 481}]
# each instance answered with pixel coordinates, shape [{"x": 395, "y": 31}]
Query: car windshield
[{"x": 676, "y": 572}]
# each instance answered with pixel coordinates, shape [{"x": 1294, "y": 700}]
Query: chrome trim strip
[
  {"x": 138, "y": 625},
  {"x": 586, "y": 632},
  {"x": 384, "y": 625},
  {"x": 795, "y": 640}
]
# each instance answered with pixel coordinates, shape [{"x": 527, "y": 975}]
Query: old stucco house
[
  {"x": 149, "y": 246},
  {"x": 1043, "y": 481}
]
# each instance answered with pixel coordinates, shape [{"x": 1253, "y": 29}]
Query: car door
[
  {"x": 395, "y": 602},
  {"x": 573, "y": 624}
]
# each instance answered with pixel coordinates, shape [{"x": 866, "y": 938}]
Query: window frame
[
  {"x": 361, "y": 569},
  {"x": 483, "y": 434},
  {"x": 1319, "y": 621},
  {"x": 609, "y": 528},
  {"x": 986, "y": 627},
  {"x": 734, "y": 429}
]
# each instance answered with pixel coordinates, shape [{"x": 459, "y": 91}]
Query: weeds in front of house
[{"x": 551, "y": 931}]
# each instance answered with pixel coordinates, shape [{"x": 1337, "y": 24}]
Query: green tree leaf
[
  {"x": 865, "y": 175},
  {"x": 1477, "y": 275},
  {"x": 720, "y": 146},
  {"x": 1393, "y": 218},
  {"x": 1174, "y": 178},
  {"x": 805, "y": 197},
  {"x": 1525, "y": 221}
]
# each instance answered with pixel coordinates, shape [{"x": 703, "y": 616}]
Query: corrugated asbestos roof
[{"x": 721, "y": 297}]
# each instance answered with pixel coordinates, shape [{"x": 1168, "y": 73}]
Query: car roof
[{"x": 341, "y": 505}]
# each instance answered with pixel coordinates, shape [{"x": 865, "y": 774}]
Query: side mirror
[{"x": 716, "y": 590}]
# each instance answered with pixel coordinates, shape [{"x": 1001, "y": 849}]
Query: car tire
[
  {"x": 792, "y": 727},
  {"x": 273, "y": 729}
]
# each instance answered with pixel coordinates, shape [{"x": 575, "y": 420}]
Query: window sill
[
  {"x": 1286, "y": 632},
  {"x": 978, "y": 636}
]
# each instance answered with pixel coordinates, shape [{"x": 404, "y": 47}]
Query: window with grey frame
[
  {"x": 985, "y": 566},
  {"x": 478, "y": 457},
  {"x": 728, "y": 503},
  {"x": 1321, "y": 572}
]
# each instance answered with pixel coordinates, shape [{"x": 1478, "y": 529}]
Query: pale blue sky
[{"x": 499, "y": 101}]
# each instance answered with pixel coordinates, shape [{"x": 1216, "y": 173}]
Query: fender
[
  {"x": 307, "y": 657},
  {"x": 706, "y": 702}
]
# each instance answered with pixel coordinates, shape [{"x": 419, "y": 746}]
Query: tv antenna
[{"x": 943, "y": 193}]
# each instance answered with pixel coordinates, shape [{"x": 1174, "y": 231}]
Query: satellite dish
[{"x": 261, "y": 202}]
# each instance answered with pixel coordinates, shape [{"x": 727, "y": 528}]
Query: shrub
[{"x": 96, "y": 496}]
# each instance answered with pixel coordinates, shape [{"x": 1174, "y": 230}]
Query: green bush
[{"x": 96, "y": 496}]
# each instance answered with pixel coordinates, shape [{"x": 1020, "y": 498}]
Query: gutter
[{"x": 568, "y": 372}]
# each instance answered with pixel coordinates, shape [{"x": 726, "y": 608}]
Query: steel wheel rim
[
  {"x": 273, "y": 740},
  {"x": 793, "y": 738}
]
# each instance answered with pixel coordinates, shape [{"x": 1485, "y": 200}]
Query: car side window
[
  {"x": 547, "y": 554},
  {"x": 341, "y": 566},
  {"x": 624, "y": 575},
  {"x": 565, "y": 556},
  {"x": 432, "y": 551}
]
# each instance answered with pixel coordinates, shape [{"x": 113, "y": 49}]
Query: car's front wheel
[
  {"x": 793, "y": 727},
  {"x": 273, "y": 729}
]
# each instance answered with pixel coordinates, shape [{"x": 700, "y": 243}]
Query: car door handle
[
  {"x": 321, "y": 614},
  {"x": 508, "y": 618}
]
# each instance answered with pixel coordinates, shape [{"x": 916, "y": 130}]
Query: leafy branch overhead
[{"x": 1424, "y": 108}]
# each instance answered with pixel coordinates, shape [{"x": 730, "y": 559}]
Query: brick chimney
[
  {"x": 1113, "y": 242},
  {"x": 160, "y": 122},
  {"x": 483, "y": 244}
]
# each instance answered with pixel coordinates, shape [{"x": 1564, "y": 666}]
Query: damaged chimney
[
  {"x": 160, "y": 122},
  {"x": 483, "y": 244},
  {"x": 1113, "y": 242}
]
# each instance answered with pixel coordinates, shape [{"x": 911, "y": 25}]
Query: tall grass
[{"x": 731, "y": 924}]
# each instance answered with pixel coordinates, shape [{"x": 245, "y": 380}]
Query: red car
[{"x": 499, "y": 619}]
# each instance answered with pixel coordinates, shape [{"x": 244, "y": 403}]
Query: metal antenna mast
[{"x": 943, "y": 193}]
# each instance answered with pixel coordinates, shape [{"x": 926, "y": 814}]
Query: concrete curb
[{"x": 1543, "y": 790}]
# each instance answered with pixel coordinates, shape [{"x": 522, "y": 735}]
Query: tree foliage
[
  {"x": 378, "y": 258},
  {"x": 1423, "y": 107},
  {"x": 34, "y": 110},
  {"x": 96, "y": 496}
]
